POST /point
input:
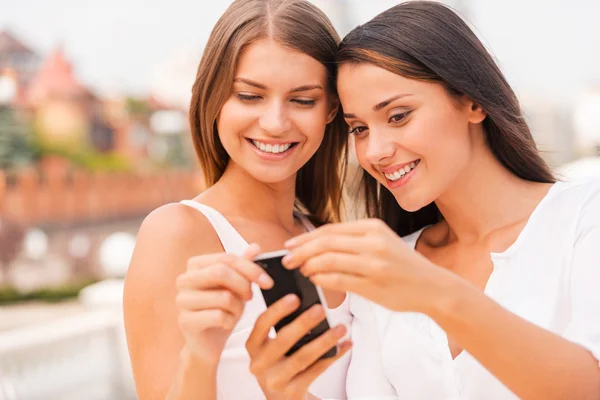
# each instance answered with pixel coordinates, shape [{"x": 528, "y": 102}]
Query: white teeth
[
  {"x": 271, "y": 148},
  {"x": 401, "y": 172}
]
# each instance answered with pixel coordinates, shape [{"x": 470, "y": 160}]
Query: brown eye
[
  {"x": 358, "y": 130},
  {"x": 398, "y": 117}
]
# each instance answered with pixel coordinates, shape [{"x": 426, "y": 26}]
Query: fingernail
[
  {"x": 340, "y": 330},
  {"x": 290, "y": 299},
  {"x": 345, "y": 345},
  {"x": 316, "y": 311},
  {"x": 265, "y": 280},
  {"x": 290, "y": 243},
  {"x": 287, "y": 259}
]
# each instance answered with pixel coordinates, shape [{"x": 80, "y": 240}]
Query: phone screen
[{"x": 292, "y": 282}]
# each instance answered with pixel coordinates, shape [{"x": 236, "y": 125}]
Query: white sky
[{"x": 549, "y": 48}]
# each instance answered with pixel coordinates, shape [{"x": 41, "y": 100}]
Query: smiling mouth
[
  {"x": 272, "y": 148},
  {"x": 401, "y": 172}
]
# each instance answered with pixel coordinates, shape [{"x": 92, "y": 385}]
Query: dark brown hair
[
  {"x": 296, "y": 24},
  {"x": 428, "y": 41}
]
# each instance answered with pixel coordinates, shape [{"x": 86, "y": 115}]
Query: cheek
[
  {"x": 233, "y": 119},
  {"x": 311, "y": 124},
  {"x": 443, "y": 142}
]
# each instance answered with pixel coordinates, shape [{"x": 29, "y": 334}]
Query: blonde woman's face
[{"x": 274, "y": 119}]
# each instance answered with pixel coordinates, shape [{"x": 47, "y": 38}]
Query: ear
[
  {"x": 476, "y": 113},
  {"x": 334, "y": 105}
]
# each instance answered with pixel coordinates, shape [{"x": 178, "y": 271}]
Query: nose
[
  {"x": 380, "y": 146},
  {"x": 274, "y": 119}
]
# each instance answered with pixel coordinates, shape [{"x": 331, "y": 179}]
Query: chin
[
  {"x": 271, "y": 175},
  {"x": 411, "y": 202}
]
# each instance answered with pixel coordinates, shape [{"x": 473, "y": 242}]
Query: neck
[
  {"x": 239, "y": 194},
  {"x": 486, "y": 198}
]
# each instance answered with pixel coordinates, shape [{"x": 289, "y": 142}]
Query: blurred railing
[
  {"x": 65, "y": 198},
  {"x": 83, "y": 357}
]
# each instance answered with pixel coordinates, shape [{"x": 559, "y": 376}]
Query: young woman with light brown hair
[{"x": 271, "y": 144}]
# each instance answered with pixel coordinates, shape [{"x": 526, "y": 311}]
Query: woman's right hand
[
  {"x": 288, "y": 377},
  {"x": 210, "y": 299}
]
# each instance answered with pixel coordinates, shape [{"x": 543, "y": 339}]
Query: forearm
[
  {"x": 533, "y": 362},
  {"x": 195, "y": 380}
]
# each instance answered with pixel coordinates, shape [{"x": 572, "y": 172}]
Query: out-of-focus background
[{"x": 94, "y": 135}]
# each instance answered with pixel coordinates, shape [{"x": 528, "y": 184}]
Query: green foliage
[
  {"x": 9, "y": 295},
  {"x": 137, "y": 106},
  {"x": 15, "y": 148},
  {"x": 85, "y": 157}
]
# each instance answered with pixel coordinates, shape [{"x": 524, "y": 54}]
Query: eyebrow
[
  {"x": 379, "y": 106},
  {"x": 303, "y": 88}
]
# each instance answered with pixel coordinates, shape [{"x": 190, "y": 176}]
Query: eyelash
[
  {"x": 354, "y": 131},
  {"x": 248, "y": 98}
]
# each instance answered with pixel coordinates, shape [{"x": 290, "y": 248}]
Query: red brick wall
[{"x": 84, "y": 197}]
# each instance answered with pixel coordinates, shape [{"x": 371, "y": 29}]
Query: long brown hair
[
  {"x": 296, "y": 24},
  {"x": 428, "y": 41}
]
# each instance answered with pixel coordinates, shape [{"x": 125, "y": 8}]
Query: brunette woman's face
[
  {"x": 412, "y": 136},
  {"x": 274, "y": 120}
]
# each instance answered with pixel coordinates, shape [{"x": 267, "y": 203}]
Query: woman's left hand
[{"x": 366, "y": 257}]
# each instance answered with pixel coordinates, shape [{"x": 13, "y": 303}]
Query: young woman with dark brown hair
[{"x": 493, "y": 291}]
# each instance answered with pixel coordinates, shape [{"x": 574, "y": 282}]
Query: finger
[
  {"x": 350, "y": 264},
  {"x": 251, "y": 252},
  {"x": 277, "y": 311},
  {"x": 337, "y": 243},
  {"x": 194, "y": 300},
  {"x": 252, "y": 272},
  {"x": 310, "y": 353},
  {"x": 360, "y": 227},
  {"x": 288, "y": 336},
  {"x": 197, "y": 321},
  {"x": 305, "y": 378},
  {"x": 340, "y": 282},
  {"x": 248, "y": 269},
  {"x": 216, "y": 277}
]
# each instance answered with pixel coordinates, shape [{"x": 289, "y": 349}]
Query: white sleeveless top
[
  {"x": 234, "y": 380},
  {"x": 549, "y": 276}
]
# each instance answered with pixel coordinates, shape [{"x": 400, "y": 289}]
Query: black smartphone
[{"x": 293, "y": 282}]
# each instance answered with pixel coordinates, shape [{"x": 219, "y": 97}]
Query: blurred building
[
  {"x": 18, "y": 65},
  {"x": 64, "y": 111}
]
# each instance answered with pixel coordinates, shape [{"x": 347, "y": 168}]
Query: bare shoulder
[{"x": 168, "y": 238}]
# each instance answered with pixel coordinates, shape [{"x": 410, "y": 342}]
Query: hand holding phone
[
  {"x": 293, "y": 282},
  {"x": 304, "y": 347}
]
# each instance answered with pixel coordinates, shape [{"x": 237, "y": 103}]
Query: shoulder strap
[{"x": 230, "y": 238}]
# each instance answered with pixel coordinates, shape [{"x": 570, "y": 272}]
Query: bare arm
[
  {"x": 162, "y": 367},
  {"x": 533, "y": 362}
]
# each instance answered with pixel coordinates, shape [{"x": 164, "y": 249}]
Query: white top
[
  {"x": 234, "y": 380},
  {"x": 550, "y": 276}
]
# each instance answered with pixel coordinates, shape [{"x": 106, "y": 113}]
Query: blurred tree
[
  {"x": 15, "y": 147},
  {"x": 137, "y": 107}
]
